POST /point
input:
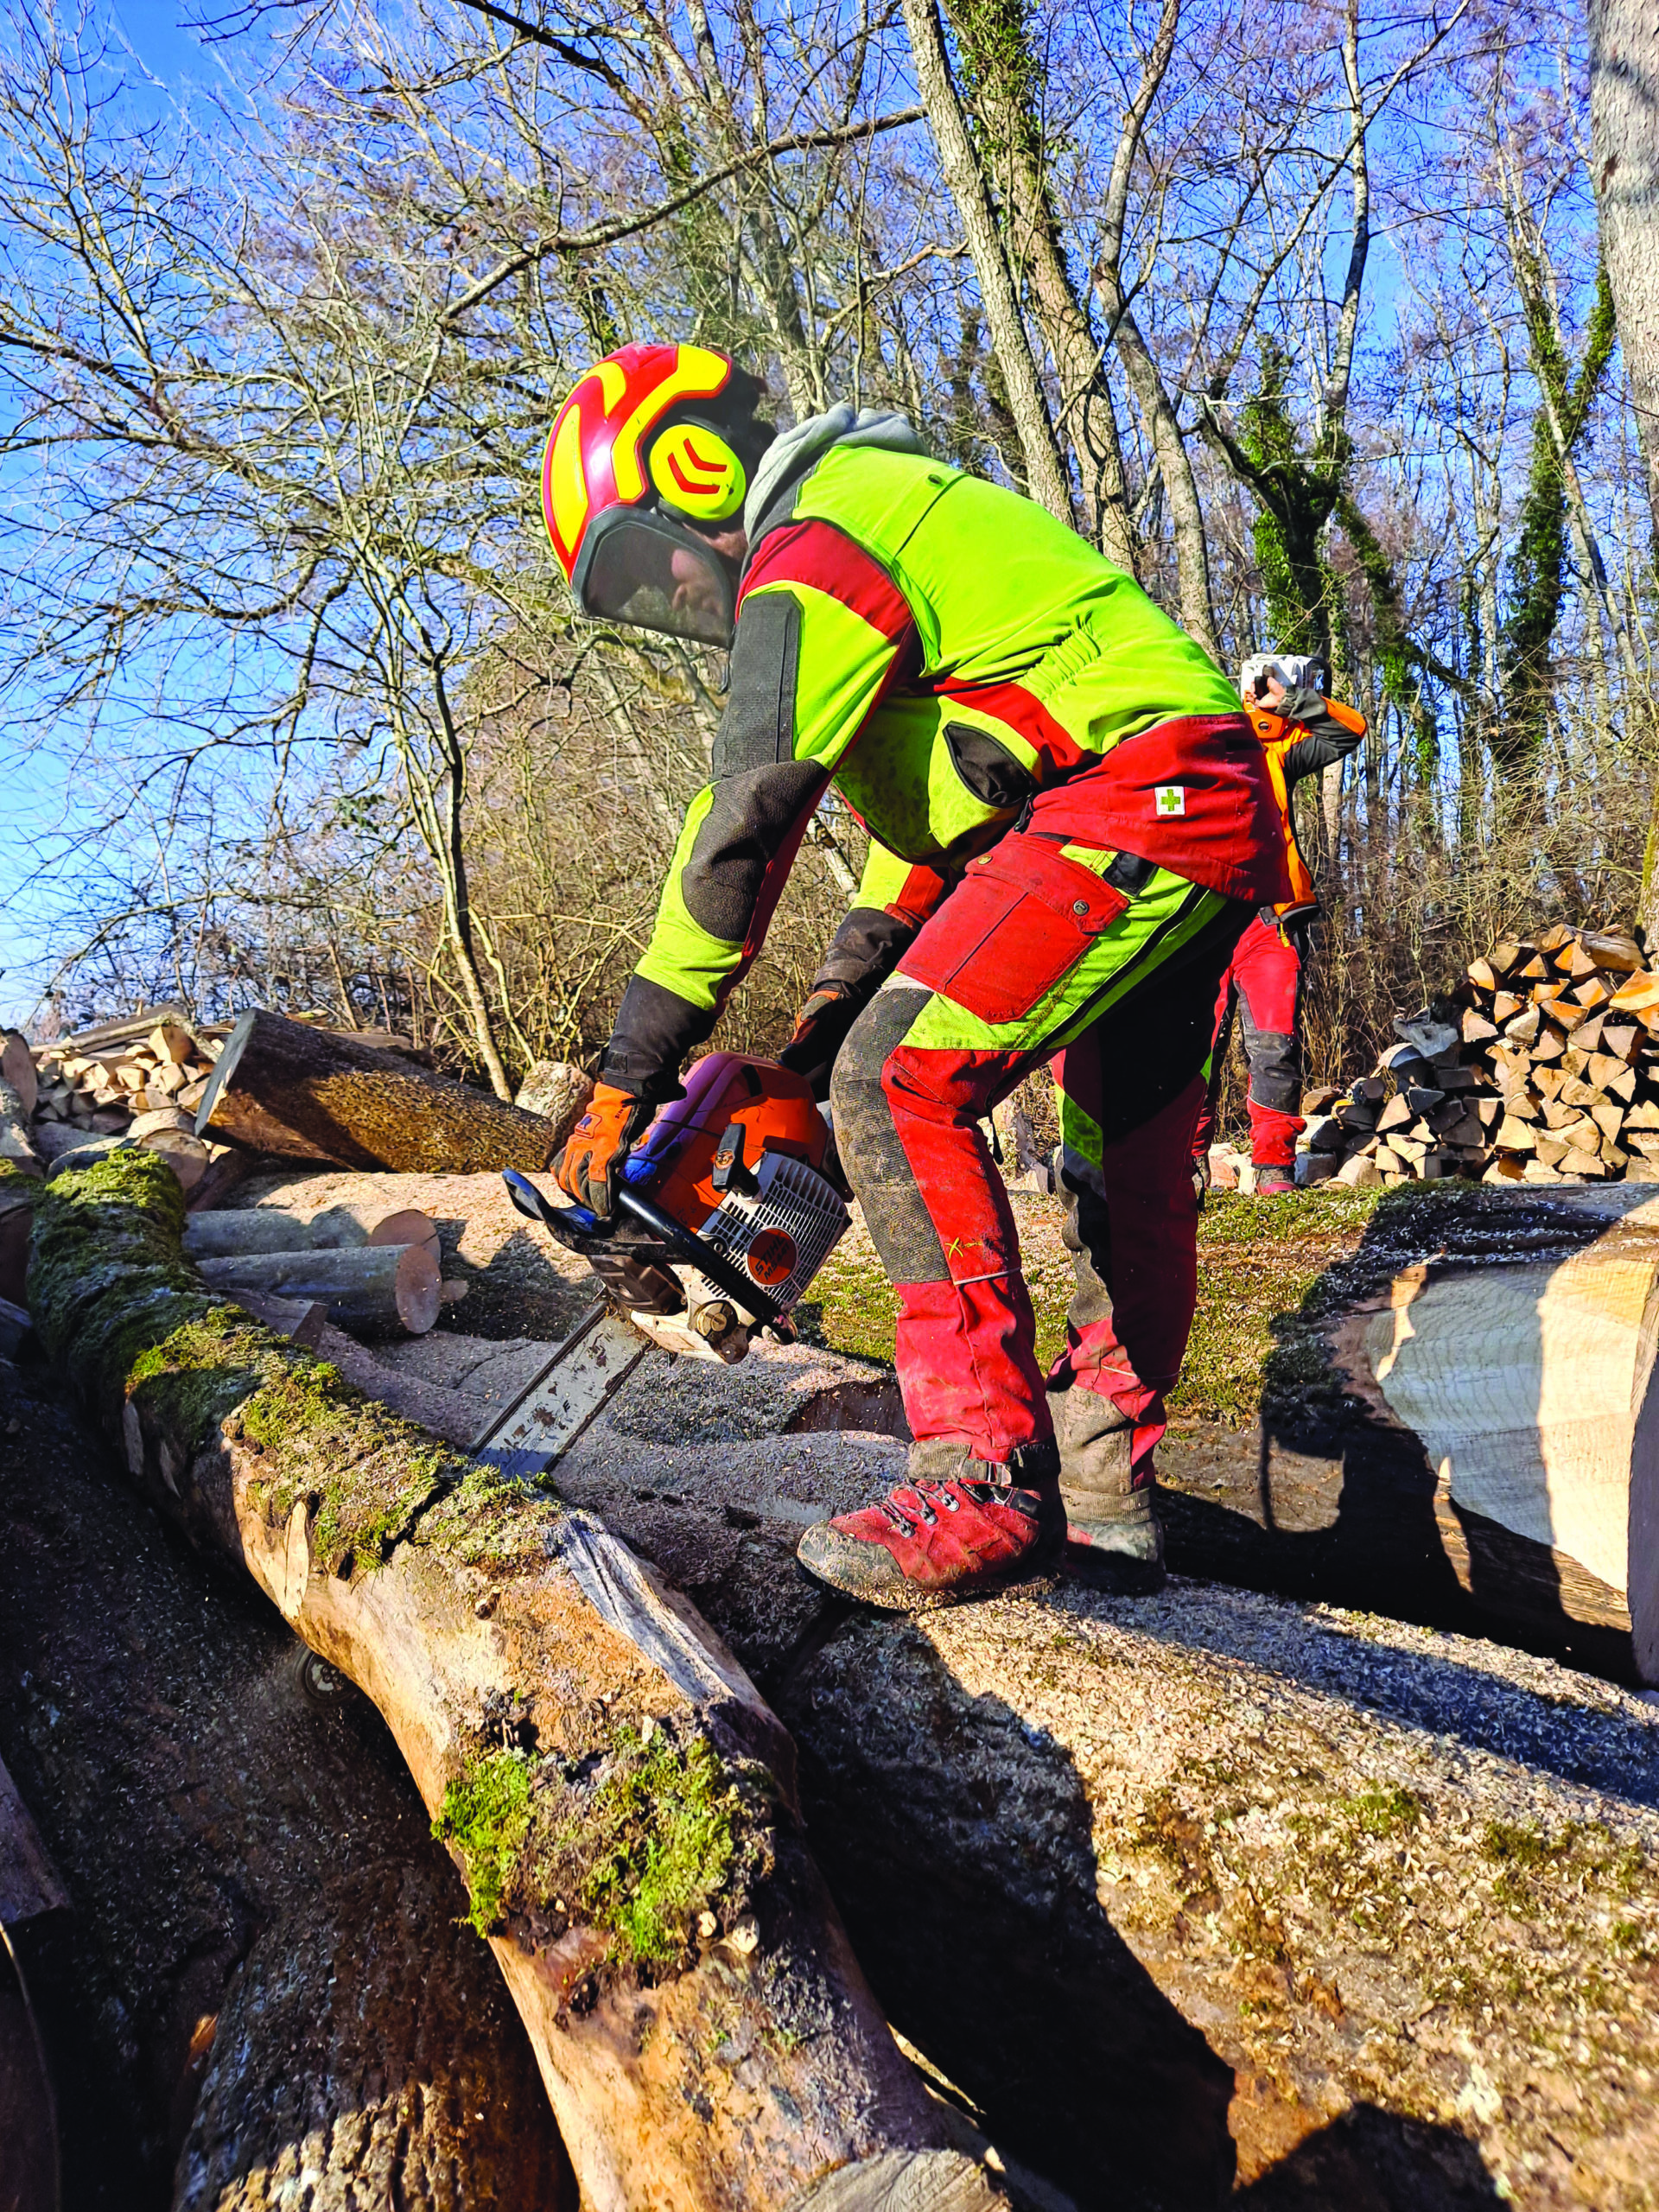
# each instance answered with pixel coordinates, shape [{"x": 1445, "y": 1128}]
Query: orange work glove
[{"x": 595, "y": 1149}]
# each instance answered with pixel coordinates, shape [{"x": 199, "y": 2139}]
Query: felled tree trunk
[
  {"x": 1462, "y": 1422},
  {"x": 373, "y": 1290},
  {"x": 255, "y": 1909},
  {"x": 284, "y": 1087},
  {"x": 1204, "y": 1890},
  {"x": 611, "y": 1779}
]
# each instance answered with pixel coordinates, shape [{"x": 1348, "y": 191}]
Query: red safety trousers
[
  {"x": 1262, "y": 985},
  {"x": 1129, "y": 1000}
]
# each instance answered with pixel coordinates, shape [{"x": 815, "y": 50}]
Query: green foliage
[
  {"x": 486, "y": 1814},
  {"x": 1001, "y": 73},
  {"x": 1384, "y": 1811},
  {"x": 1293, "y": 494},
  {"x": 1291, "y": 512},
  {"x": 1297, "y": 495}
]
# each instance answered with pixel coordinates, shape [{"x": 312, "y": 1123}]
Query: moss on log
[
  {"x": 260, "y": 1924},
  {"x": 704, "y": 2033}
]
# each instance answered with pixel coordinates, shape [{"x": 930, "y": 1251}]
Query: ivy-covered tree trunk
[
  {"x": 1538, "y": 560},
  {"x": 1006, "y": 86},
  {"x": 1046, "y": 477}
]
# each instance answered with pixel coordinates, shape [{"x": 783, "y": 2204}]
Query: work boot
[
  {"x": 1113, "y": 1539},
  {"x": 957, "y": 1527},
  {"x": 1275, "y": 1182}
]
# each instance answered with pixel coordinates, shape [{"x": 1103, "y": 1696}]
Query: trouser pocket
[{"x": 1021, "y": 918}]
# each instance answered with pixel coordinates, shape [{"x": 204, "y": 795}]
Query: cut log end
[{"x": 369, "y": 1290}]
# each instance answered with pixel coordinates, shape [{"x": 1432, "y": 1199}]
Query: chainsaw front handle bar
[{"x": 694, "y": 1250}]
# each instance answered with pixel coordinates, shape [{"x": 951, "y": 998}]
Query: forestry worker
[{"x": 1071, "y": 823}]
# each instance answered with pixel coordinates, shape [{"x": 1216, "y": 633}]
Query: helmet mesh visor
[{"x": 653, "y": 580}]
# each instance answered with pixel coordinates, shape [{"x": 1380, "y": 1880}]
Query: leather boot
[{"x": 957, "y": 1527}]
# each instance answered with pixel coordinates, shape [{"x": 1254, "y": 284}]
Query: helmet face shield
[{"x": 639, "y": 567}]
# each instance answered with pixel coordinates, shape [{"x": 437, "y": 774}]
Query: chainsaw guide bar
[{"x": 587, "y": 1368}]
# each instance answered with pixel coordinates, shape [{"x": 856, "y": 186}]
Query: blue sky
[
  {"x": 32, "y": 796},
  {"x": 168, "y": 51}
]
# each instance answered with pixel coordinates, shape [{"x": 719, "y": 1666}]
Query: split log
[
  {"x": 216, "y": 1235},
  {"x": 17, "y": 1068},
  {"x": 16, "y": 1144},
  {"x": 259, "y": 1924},
  {"x": 281, "y": 1087},
  {"x": 576, "y": 1730},
  {"x": 106, "y": 1036},
  {"x": 370, "y": 1290}
]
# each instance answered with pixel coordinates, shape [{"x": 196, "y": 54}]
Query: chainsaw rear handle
[{"x": 574, "y": 1226}]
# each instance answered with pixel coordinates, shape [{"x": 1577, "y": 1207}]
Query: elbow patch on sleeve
[
  {"x": 751, "y": 818},
  {"x": 757, "y": 730}
]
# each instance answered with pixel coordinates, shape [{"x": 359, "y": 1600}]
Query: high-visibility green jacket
[{"x": 941, "y": 650}]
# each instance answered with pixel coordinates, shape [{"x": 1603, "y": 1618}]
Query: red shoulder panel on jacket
[{"x": 818, "y": 553}]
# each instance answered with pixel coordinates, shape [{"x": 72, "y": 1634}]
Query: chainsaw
[
  {"x": 1296, "y": 671},
  {"x": 724, "y": 1214}
]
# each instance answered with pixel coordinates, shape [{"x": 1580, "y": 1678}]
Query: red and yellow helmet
[{"x": 654, "y": 442}]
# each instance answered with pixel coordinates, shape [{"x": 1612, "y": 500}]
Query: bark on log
[
  {"x": 376, "y": 1290},
  {"x": 222, "y": 1235},
  {"x": 282, "y": 1087},
  {"x": 614, "y": 1783},
  {"x": 252, "y": 1888},
  {"x": 558, "y": 1092},
  {"x": 1209, "y": 1878}
]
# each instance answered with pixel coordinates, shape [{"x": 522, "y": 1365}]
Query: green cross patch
[{"x": 1171, "y": 798}]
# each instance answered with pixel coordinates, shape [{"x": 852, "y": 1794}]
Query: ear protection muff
[{"x": 696, "y": 473}]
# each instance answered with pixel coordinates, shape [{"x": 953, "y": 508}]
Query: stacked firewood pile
[
  {"x": 1542, "y": 1067},
  {"x": 1569, "y": 1028},
  {"x": 1420, "y": 1113},
  {"x": 59, "y": 1101},
  {"x": 140, "y": 1079}
]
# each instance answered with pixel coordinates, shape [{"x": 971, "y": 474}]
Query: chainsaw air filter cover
[
  {"x": 782, "y": 1232},
  {"x": 737, "y": 1160}
]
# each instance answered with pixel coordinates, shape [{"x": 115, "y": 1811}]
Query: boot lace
[{"x": 929, "y": 1495}]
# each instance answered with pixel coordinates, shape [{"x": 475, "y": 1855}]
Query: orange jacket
[{"x": 1318, "y": 732}]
